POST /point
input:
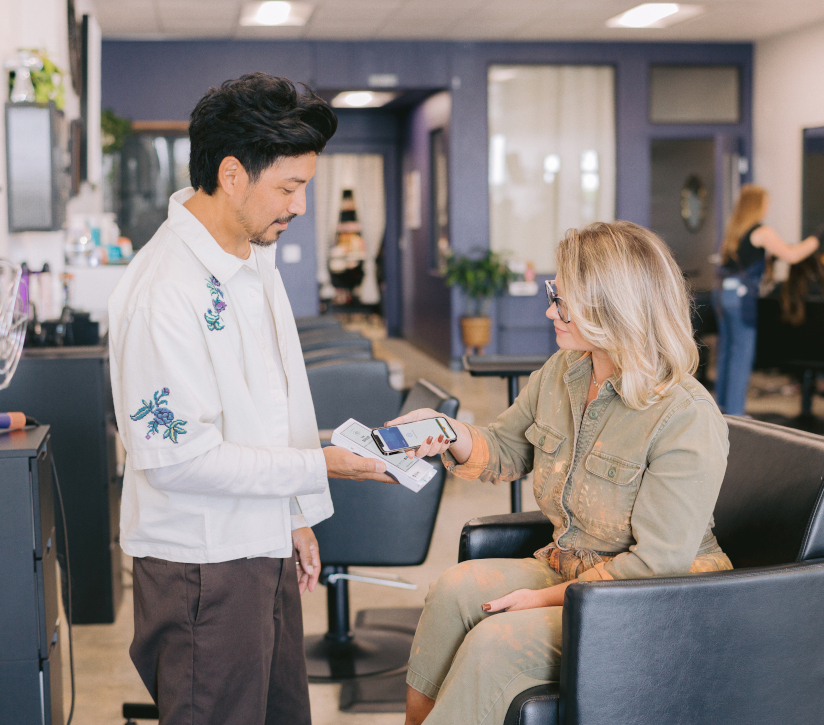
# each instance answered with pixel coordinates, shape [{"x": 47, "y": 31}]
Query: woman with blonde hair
[
  {"x": 743, "y": 253},
  {"x": 627, "y": 451}
]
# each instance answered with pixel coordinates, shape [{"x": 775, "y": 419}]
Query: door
[{"x": 684, "y": 204}]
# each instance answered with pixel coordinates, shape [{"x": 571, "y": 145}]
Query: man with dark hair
[{"x": 224, "y": 469}]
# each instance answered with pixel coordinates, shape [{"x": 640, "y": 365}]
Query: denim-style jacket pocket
[
  {"x": 547, "y": 442},
  {"x": 606, "y": 496}
]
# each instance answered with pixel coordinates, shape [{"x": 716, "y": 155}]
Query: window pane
[
  {"x": 704, "y": 94},
  {"x": 551, "y": 156}
]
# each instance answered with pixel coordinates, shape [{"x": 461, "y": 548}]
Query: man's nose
[{"x": 298, "y": 203}]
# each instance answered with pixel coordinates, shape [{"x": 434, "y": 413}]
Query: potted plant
[{"x": 481, "y": 277}]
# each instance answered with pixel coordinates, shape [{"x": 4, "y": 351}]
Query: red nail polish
[{"x": 486, "y": 607}]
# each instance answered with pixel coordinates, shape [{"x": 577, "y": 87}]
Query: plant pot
[{"x": 475, "y": 332}]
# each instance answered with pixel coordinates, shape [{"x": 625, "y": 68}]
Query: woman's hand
[
  {"x": 462, "y": 446},
  {"x": 528, "y": 599}
]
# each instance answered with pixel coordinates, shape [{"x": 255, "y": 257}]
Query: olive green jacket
[{"x": 639, "y": 485}]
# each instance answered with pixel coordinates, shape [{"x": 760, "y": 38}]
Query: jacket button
[
  {"x": 593, "y": 414},
  {"x": 611, "y": 473},
  {"x": 609, "y": 385},
  {"x": 542, "y": 441}
]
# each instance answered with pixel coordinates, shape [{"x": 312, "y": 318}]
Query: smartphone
[{"x": 408, "y": 436}]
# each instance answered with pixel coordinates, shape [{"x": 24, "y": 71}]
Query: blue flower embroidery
[
  {"x": 212, "y": 316},
  {"x": 161, "y": 416}
]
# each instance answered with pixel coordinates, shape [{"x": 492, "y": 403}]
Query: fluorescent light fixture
[
  {"x": 275, "y": 12},
  {"x": 363, "y": 99},
  {"x": 654, "y": 15}
]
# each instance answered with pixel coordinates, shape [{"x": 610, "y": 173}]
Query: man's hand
[
  {"x": 341, "y": 463},
  {"x": 307, "y": 558}
]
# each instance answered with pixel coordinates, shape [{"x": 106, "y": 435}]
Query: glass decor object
[
  {"x": 551, "y": 156},
  {"x": 22, "y": 63},
  {"x": 694, "y": 94}
]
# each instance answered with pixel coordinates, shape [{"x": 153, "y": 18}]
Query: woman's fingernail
[
  {"x": 486, "y": 607},
  {"x": 429, "y": 440},
  {"x": 440, "y": 438}
]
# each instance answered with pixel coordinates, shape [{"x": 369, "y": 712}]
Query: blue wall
[{"x": 163, "y": 81}]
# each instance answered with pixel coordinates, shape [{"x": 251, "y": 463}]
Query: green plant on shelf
[
  {"x": 48, "y": 82},
  {"x": 481, "y": 277}
]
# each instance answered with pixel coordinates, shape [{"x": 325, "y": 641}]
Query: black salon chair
[
  {"x": 744, "y": 647},
  {"x": 353, "y": 341},
  {"x": 360, "y": 389},
  {"x": 316, "y": 322},
  {"x": 328, "y": 354},
  {"x": 375, "y": 524}
]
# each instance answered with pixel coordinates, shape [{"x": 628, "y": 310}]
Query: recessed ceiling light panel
[
  {"x": 362, "y": 99},
  {"x": 275, "y": 12},
  {"x": 654, "y": 15}
]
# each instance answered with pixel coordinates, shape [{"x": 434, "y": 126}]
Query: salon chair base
[{"x": 369, "y": 652}]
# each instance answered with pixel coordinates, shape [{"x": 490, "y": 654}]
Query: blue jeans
[{"x": 736, "y": 352}]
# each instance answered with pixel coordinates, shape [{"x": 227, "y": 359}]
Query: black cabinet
[
  {"x": 70, "y": 390},
  {"x": 31, "y": 686}
]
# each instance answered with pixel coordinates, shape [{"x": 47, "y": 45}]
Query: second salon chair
[{"x": 375, "y": 525}]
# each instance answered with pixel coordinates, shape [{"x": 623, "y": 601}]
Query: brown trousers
[{"x": 221, "y": 644}]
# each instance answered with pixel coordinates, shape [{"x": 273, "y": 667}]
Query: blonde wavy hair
[
  {"x": 628, "y": 297},
  {"x": 749, "y": 210}
]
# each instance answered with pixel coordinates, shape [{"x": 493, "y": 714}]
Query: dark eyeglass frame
[{"x": 552, "y": 297}]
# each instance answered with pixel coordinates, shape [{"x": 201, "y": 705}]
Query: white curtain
[
  {"x": 551, "y": 156},
  {"x": 363, "y": 173}
]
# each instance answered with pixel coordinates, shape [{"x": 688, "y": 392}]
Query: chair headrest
[{"x": 771, "y": 506}]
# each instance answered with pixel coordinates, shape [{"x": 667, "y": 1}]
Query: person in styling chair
[{"x": 627, "y": 451}]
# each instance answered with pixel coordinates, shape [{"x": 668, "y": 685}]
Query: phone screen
[
  {"x": 362, "y": 435},
  {"x": 412, "y": 435}
]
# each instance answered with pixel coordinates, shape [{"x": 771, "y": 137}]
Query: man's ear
[{"x": 232, "y": 177}]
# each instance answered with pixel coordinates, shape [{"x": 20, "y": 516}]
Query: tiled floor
[{"x": 106, "y": 677}]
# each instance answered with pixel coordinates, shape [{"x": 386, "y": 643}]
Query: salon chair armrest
[
  {"x": 509, "y": 536},
  {"x": 735, "y": 647}
]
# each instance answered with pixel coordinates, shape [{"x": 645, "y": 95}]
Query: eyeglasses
[{"x": 553, "y": 298}]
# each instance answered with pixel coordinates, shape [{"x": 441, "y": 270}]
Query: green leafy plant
[
  {"x": 114, "y": 130},
  {"x": 481, "y": 277},
  {"x": 48, "y": 82}
]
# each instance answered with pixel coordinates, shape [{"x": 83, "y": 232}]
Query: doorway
[
  {"x": 350, "y": 218},
  {"x": 683, "y": 205}
]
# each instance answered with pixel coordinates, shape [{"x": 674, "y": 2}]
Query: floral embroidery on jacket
[
  {"x": 161, "y": 416},
  {"x": 212, "y": 316}
]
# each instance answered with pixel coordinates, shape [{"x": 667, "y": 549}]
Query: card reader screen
[{"x": 363, "y": 437}]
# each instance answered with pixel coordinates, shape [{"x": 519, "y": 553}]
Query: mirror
[{"x": 693, "y": 203}]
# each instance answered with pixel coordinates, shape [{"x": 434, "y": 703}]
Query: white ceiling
[{"x": 724, "y": 20}]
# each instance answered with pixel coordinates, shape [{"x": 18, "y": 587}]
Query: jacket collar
[
  {"x": 220, "y": 264},
  {"x": 580, "y": 364}
]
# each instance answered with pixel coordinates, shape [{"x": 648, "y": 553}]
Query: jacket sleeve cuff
[
  {"x": 597, "y": 574},
  {"x": 478, "y": 459}
]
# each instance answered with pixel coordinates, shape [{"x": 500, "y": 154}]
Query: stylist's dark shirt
[{"x": 748, "y": 255}]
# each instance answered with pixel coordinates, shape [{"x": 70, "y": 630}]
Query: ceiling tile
[{"x": 724, "y": 20}]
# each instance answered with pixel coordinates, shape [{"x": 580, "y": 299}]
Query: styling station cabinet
[
  {"x": 31, "y": 686},
  {"x": 69, "y": 389}
]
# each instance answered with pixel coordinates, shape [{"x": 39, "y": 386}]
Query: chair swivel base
[{"x": 369, "y": 652}]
